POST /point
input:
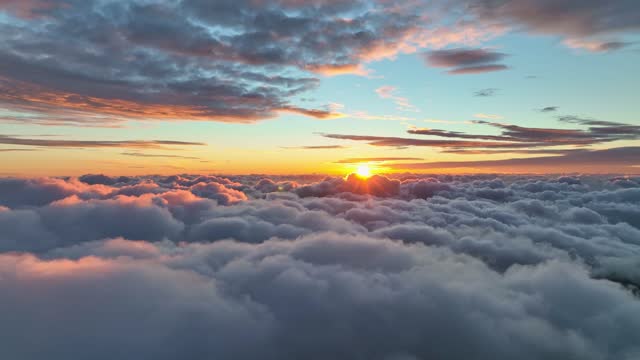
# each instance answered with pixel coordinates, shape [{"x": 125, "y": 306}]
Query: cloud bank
[{"x": 245, "y": 267}]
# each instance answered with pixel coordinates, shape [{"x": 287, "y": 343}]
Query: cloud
[
  {"x": 315, "y": 147},
  {"x": 169, "y": 156},
  {"x": 486, "y": 92},
  {"x": 548, "y": 109},
  {"x": 236, "y": 62},
  {"x": 375, "y": 185},
  {"x": 16, "y": 150},
  {"x": 466, "y": 61},
  {"x": 596, "y": 46},
  {"x": 305, "y": 271},
  {"x": 397, "y": 141},
  {"x": 374, "y": 159},
  {"x": 487, "y": 116},
  {"x": 477, "y": 69},
  {"x": 389, "y": 92},
  {"x": 142, "y": 144},
  {"x": 614, "y": 160},
  {"x": 511, "y": 151},
  {"x": 579, "y": 22},
  {"x": 598, "y": 131}
]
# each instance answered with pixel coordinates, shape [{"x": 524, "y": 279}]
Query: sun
[{"x": 363, "y": 171}]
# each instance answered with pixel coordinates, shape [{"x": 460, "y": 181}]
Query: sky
[{"x": 301, "y": 87}]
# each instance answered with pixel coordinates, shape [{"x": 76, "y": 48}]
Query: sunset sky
[{"x": 291, "y": 87}]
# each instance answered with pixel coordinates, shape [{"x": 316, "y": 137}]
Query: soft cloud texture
[
  {"x": 246, "y": 267},
  {"x": 100, "y": 64}
]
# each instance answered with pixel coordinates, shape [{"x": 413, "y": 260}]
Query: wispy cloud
[
  {"x": 375, "y": 159},
  {"x": 149, "y": 144},
  {"x": 389, "y": 92},
  {"x": 466, "y": 61},
  {"x": 17, "y": 150},
  {"x": 138, "y": 154},
  {"x": 511, "y": 137},
  {"x": 487, "y": 116},
  {"x": 609, "y": 160},
  {"x": 594, "y": 45},
  {"x": 314, "y": 147},
  {"x": 487, "y": 92},
  {"x": 548, "y": 109}
]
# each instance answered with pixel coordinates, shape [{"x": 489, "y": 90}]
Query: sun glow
[{"x": 363, "y": 171}]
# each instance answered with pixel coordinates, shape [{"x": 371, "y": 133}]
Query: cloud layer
[
  {"x": 100, "y": 64},
  {"x": 246, "y": 267},
  {"x": 82, "y": 63}
]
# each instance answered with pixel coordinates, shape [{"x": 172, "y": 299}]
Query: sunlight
[{"x": 363, "y": 171}]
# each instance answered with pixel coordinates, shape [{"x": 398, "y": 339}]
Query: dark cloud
[
  {"x": 16, "y": 150},
  {"x": 466, "y": 61},
  {"x": 548, "y": 109},
  {"x": 477, "y": 69},
  {"x": 142, "y": 267},
  {"x": 511, "y": 151},
  {"x": 613, "y": 160},
  {"x": 486, "y": 92},
  {"x": 583, "y": 23},
  {"x": 597, "y": 132},
  {"x": 515, "y": 139},
  {"x": 233, "y": 61},
  {"x": 611, "y": 46},
  {"x": 143, "y": 144},
  {"x": 400, "y": 142}
]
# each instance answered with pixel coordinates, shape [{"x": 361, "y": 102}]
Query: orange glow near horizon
[{"x": 363, "y": 171}]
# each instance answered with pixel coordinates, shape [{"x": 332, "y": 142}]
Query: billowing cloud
[
  {"x": 81, "y": 64},
  {"x": 299, "y": 267}
]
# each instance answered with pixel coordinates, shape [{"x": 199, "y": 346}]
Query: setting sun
[{"x": 363, "y": 171}]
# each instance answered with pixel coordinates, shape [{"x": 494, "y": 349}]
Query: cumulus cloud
[
  {"x": 232, "y": 61},
  {"x": 409, "y": 266}
]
